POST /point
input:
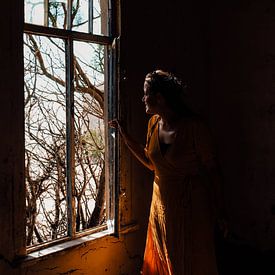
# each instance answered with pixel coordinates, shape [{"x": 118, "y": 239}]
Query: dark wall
[
  {"x": 241, "y": 101},
  {"x": 156, "y": 34},
  {"x": 161, "y": 35},
  {"x": 226, "y": 51},
  {"x": 240, "y": 96},
  {"x": 11, "y": 129}
]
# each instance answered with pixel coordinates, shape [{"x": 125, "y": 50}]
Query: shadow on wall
[{"x": 235, "y": 257}]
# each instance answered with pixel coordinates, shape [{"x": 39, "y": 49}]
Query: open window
[{"x": 70, "y": 94}]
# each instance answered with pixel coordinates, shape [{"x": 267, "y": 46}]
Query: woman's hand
[
  {"x": 136, "y": 148},
  {"x": 114, "y": 124}
]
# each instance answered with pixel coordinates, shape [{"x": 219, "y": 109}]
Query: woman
[{"x": 186, "y": 200}]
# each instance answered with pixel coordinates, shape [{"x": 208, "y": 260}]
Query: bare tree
[{"x": 45, "y": 133}]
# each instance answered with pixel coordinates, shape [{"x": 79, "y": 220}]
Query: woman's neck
[{"x": 169, "y": 120}]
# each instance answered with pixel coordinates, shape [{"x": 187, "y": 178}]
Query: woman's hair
[{"x": 171, "y": 88}]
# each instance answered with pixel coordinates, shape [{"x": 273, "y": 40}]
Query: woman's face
[{"x": 149, "y": 100}]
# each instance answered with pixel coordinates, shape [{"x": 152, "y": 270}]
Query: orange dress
[{"x": 180, "y": 237}]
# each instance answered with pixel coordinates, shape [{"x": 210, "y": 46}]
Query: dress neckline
[{"x": 164, "y": 148}]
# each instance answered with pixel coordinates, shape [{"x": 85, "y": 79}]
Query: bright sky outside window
[
  {"x": 67, "y": 169},
  {"x": 88, "y": 16}
]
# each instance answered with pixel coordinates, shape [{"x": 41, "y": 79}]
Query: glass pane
[
  {"x": 34, "y": 12},
  {"x": 80, "y": 16},
  {"x": 89, "y": 135},
  {"x": 45, "y": 138},
  {"x": 87, "y": 15},
  {"x": 100, "y": 17},
  {"x": 96, "y": 10},
  {"x": 57, "y": 14}
]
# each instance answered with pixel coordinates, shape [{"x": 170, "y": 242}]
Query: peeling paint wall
[{"x": 106, "y": 256}]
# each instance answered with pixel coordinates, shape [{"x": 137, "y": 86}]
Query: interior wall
[
  {"x": 11, "y": 129},
  {"x": 241, "y": 109},
  {"x": 226, "y": 52},
  {"x": 240, "y": 96},
  {"x": 154, "y": 35}
]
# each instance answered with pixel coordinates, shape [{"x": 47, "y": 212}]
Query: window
[{"x": 69, "y": 95}]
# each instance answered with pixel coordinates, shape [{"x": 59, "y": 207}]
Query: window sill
[
  {"x": 42, "y": 254},
  {"x": 58, "y": 249},
  {"x": 125, "y": 229}
]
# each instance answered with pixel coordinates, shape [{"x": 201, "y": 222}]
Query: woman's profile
[{"x": 187, "y": 199}]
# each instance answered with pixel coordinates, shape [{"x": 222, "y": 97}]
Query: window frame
[{"x": 111, "y": 102}]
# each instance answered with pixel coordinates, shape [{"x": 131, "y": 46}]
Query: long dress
[{"x": 181, "y": 222}]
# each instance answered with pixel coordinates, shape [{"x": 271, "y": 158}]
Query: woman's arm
[{"x": 135, "y": 148}]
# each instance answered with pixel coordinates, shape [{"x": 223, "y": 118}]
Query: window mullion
[
  {"x": 70, "y": 138},
  {"x": 69, "y": 14},
  {"x": 46, "y": 13},
  {"x": 91, "y": 16}
]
